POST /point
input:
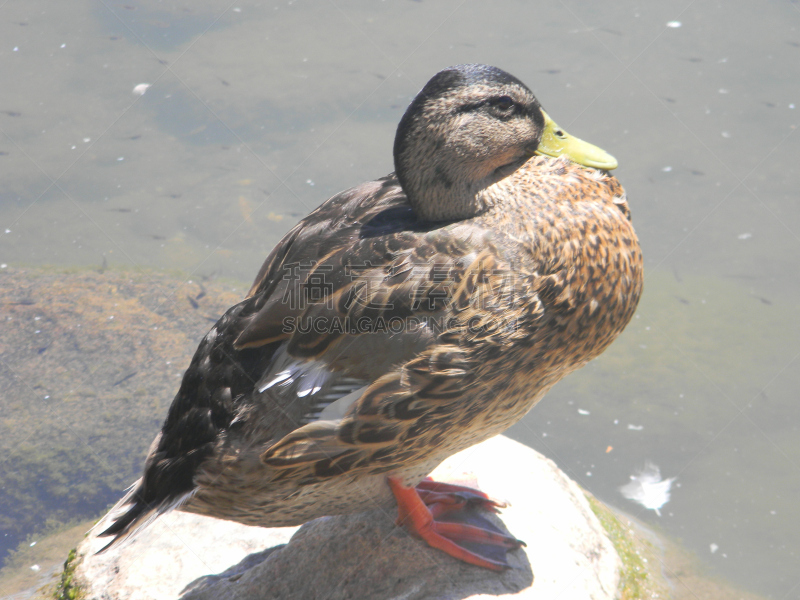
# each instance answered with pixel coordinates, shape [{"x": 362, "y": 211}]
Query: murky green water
[{"x": 257, "y": 112}]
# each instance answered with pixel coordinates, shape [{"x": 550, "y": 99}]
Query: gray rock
[{"x": 365, "y": 556}]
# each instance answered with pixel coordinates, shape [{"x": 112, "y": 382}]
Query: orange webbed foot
[{"x": 446, "y": 517}]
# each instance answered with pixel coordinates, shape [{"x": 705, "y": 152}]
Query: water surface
[{"x": 259, "y": 111}]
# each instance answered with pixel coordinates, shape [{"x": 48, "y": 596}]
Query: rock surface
[{"x": 364, "y": 555}]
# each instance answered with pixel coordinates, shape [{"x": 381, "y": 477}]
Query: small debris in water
[
  {"x": 745, "y": 236},
  {"x": 713, "y": 548},
  {"x": 635, "y": 427},
  {"x": 674, "y": 24},
  {"x": 583, "y": 412},
  {"x": 124, "y": 379},
  {"x": 648, "y": 489},
  {"x": 140, "y": 89},
  {"x": 35, "y": 568}
]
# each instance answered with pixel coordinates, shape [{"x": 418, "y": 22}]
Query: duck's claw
[
  {"x": 465, "y": 534},
  {"x": 442, "y": 498}
]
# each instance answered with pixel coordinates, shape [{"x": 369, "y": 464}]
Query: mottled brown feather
[{"x": 495, "y": 308}]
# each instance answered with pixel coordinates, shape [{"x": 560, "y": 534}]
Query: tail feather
[{"x": 132, "y": 514}]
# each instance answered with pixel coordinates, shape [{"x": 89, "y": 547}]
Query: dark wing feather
[
  {"x": 416, "y": 399},
  {"x": 361, "y": 257}
]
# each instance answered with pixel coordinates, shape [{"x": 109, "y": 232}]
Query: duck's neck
[
  {"x": 437, "y": 193},
  {"x": 444, "y": 187},
  {"x": 436, "y": 196}
]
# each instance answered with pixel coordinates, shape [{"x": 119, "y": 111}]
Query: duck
[{"x": 402, "y": 321}]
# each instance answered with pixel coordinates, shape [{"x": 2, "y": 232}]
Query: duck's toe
[{"x": 448, "y": 517}]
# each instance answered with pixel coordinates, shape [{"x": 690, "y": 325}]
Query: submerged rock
[
  {"x": 364, "y": 555},
  {"x": 90, "y": 363}
]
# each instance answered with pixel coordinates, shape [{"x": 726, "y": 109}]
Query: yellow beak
[{"x": 557, "y": 142}]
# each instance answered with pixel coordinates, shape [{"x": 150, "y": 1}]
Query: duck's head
[{"x": 469, "y": 127}]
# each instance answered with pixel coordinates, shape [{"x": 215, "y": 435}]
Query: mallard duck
[{"x": 441, "y": 301}]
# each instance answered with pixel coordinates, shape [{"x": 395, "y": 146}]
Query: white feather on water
[{"x": 648, "y": 489}]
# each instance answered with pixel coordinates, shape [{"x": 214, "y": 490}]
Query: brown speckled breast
[{"x": 537, "y": 287}]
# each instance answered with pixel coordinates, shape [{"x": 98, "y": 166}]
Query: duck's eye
[{"x": 503, "y": 103}]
